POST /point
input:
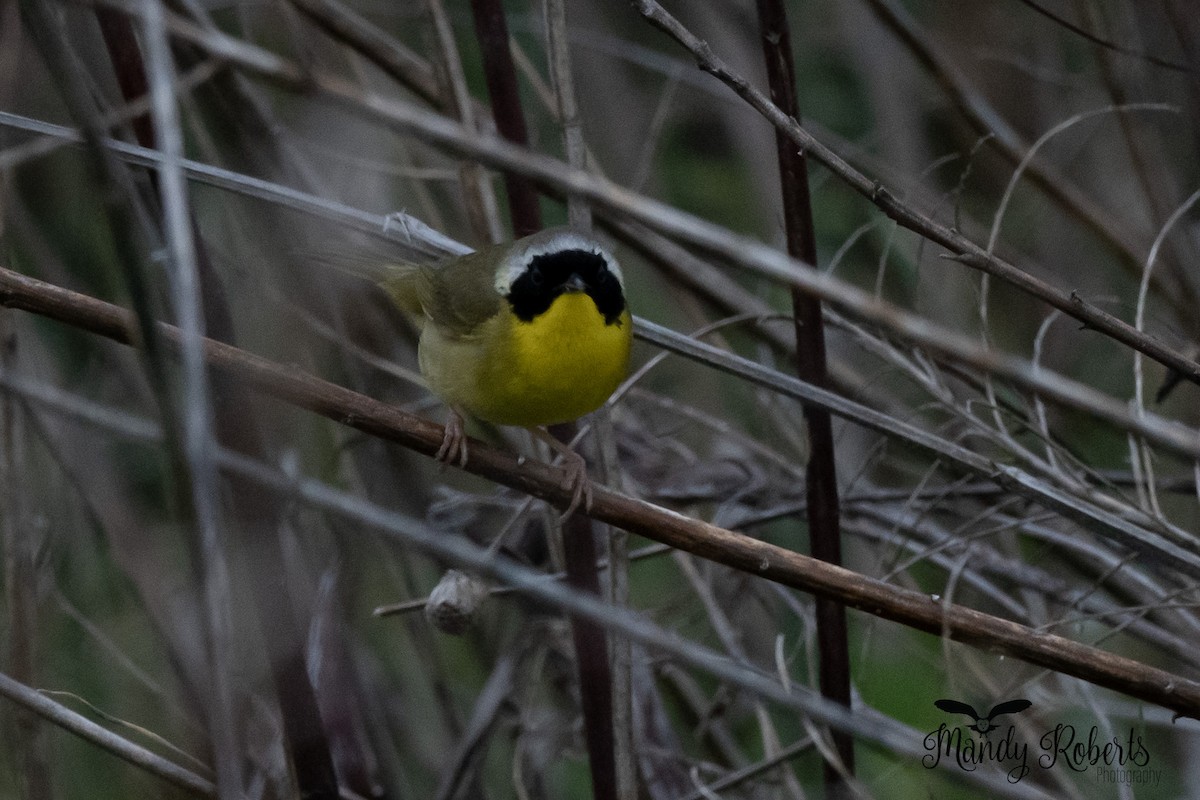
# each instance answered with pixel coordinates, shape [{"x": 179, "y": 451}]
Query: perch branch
[{"x": 913, "y": 609}]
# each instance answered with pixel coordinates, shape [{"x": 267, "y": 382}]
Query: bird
[
  {"x": 529, "y": 333},
  {"x": 982, "y": 725}
]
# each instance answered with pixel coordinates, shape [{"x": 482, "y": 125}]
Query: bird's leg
[
  {"x": 454, "y": 440},
  {"x": 576, "y": 467}
]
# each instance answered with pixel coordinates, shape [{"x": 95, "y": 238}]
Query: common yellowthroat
[{"x": 529, "y": 333}]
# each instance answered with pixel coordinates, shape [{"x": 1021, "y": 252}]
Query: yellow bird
[{"x": 528, "y": 333}]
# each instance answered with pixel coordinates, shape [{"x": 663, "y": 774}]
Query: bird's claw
[
  {"x": 575, "y": 467},
  {"x": 579, "y": 484},
  {"x": 454, "y": 441}
]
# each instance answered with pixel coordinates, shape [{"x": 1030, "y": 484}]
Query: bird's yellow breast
[{"x": 560, "y": 365}]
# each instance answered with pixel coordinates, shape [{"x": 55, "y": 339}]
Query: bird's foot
[
  {"x": 454, "y": 441},
  {"x": 578, "y": 482},
  {"x": 575, "y": 467}
]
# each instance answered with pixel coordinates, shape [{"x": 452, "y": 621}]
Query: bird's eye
[{"x": 535, "y": 277}]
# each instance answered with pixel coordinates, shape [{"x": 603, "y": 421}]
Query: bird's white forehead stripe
[{"x": 518, "y": 260}]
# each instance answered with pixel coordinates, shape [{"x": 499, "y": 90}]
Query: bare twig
[
  {"x": 478, "y": 196},
  {"x": 989, "y": 123},
  {"x": 708, "y": 541},
  {"x": 1077, "y": 508},
  {"x": 753, "y": 255},
  {"x": 200, "y": 303},
  {"x": 86, "y": 729},
  {"x": 579, "y": 548},
  {"x": 406, "y": 67},
  {"x": 610, "y": 747},
  {"x": 1149, "y": 58},
  {"x": 578, "y": 213},
  {"x": 196, "y": 413},
  {"x": 731, "y": 642},
  {"x": 49, "y": 300},
  {"x": 969, "y": 253}
]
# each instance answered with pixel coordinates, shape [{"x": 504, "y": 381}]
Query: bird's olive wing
[{"x": 460, "y": 295}]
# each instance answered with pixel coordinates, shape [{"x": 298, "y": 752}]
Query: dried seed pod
[{"x": 454, "y": 602}]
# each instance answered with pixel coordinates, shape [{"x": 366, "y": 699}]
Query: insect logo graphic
[{"x": 983, "y": 724}]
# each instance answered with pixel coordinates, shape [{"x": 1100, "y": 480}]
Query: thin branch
[
  {"x": 752, "y": 254},
  {"x": 736, "y": 249},
  {"x": 968, "y": 252},
  {"x": 478, "y": 195},
  {"x": 740, "y": 776},
  {"x": 221, "y": 412},
  {"x": 1149, "y": 58},
  {"x": 990, "y": 124},
  {"x": 384, "y": 51},
  {"x": 196, "y": 414},
  {"x": 20, "y": 291},
  {"x": 612, "y": 748},
  {"x": 364, "y": 515},
  {"x": 741, "y": 552},
  {"x": 130, "y": 229},
  {"x": 1079, "y": 509},
  {"x": 86, "y": 729},
  {"x": 578, "y": 213},
  {"x": 731, "y": 641}
]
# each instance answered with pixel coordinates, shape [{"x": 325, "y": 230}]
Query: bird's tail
[
  {"x": 399, "y": 279},
  {"x": 403, "y": 283}
]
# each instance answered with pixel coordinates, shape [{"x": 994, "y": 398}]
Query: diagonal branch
[
  {"x": 744, "y": 251},
  {"x": 83, "y": 727},
  {"x": 913, "y": 609},
  {"x": 738, "y": 250},
  {"x": 969, "y": 253}
]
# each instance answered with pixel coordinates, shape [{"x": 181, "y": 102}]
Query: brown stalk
[
  {"x": 821, "y": 489},
  {"x": 579, "y": 546},
  {"x": 913, "y": 609},
  {"x": 611, "y": 744},
  {"x": 491, "y": 30}
]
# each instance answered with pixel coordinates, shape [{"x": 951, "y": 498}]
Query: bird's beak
[{"x": 575, "y": 284}]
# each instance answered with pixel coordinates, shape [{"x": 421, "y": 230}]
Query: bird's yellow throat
[{"x": 560, "y": 365}]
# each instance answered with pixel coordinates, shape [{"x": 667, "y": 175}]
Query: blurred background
[{"x": 1061, "y": 135}]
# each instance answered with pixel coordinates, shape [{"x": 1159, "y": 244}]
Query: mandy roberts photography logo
[
  {"x": 1114, "y": 759},
  {"x": 982, "y": 724}
]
